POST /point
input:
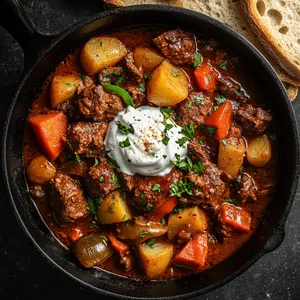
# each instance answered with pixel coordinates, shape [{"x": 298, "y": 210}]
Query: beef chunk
[
  {"x": 137, "y": 95},
  {"x": 210, "y": 187},
  {"x": 265, "y": 180},
  {"x": 145, "y": 198},
  {"x": 101, "y": 179},
  {"x": 133, "y": 71},
  {"x": 128, "y": 181},
  {"x": 87, "y": 138},
  {"x": 234, "y": 131},
  {"x": 247, "y": 188},
  {"x": 110, "y": 75},
  {"x": 96, "y": 105},
  {"x": 254, "y": 121},
  {"x": 232, "y": 90},
  {"x": 37, "y": 191},
  {"x": 177, "y": 45},
  {"x": 194, "y": 109},
  {"x": 68, "y": 201}
]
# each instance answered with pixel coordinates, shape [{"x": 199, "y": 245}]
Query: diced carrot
[
  {"x": 49, "y": 129},
  {"x": 235, "y": 217},
  {"x": 193, "y": 254},
  {"x": 75, "y": 234},
  {"x": 117, "y": 245},
  {"x": 164, "y": 209},
  {"x": 221, "y": 118},
  {"x": 205, "y": 77}
]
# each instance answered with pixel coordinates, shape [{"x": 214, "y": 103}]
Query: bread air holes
[
  {"x": 298, "y": 41},
  {"x": 283, "y": 29},
  {"x": 282, "y": 3},
  {"x": 261, "y": 7},
  {"x": 275, "y": 16}
]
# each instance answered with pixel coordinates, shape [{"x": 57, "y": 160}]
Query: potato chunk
[
  {"x": 147, "y": 59},
  {"x": 155, "y": 258},
  {"x": 63, "y": 88},
  {"x": 231, "y": 155},
  {"x": 259, "y": 151},
  {"x": 113, "y": 209},
  {"x": 40, "y": 170},
  {"x": 192, "y": 220},
  {"x": 168, "y": 85},
  {"x": 100, "y": 52}
]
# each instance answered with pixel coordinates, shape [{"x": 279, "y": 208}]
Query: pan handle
[{"x": 15, "y": 20}]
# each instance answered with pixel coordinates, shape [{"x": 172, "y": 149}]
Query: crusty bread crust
[
  {"x": 122, "y": 3},
  {"x": 292, "y": 91},
  {"x": 264, "y": 33}
]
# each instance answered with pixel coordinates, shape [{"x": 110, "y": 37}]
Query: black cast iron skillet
[{"x": 43, "y": 53}]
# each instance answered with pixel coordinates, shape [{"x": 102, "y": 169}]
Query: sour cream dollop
[{"x": 146, "y": 148}]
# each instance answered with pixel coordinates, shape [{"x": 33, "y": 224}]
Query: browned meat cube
[
  {"x": 87, "y": 138},
  {"x": 110, "y": 75},
  {"x": 101, "y": 179},
  {"x": 177, "y": 45},
  {"x": 194, "y": 109},
  {"x": 68, "y": 201},
  {"x": 254, "y": 121},
  {"x": 134, "y": 72}
]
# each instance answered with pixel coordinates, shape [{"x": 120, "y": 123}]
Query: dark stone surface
[{"x": 24, "y": 274}]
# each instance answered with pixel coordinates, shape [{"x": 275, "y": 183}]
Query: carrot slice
[
  {"x": 235, "y": 217},
  {"x": 49, "y": 130},
  {"x": 119, "y": 246},
  {"x": 205, "y": 77},
  {"x": 75, "y": 234},
  {"x": 193, "y": 254},
  {"x": 163, "y": 210},
  {"x": 221, "y": 118}
]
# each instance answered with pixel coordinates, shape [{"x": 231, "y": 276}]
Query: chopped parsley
[
  {"x": 104, "y": 237},
  {"x": 147, "y": 76},
  {"x": 215, "y": 107},
  {"x": 189, "y": 104},
  {"x": 156, "y": 187},
  {"x": 201, "y": 142},
  {"x": 125, "y": 143},
  {"x": 124, "y": 129},
  {"x": 180, "y": 187},
  {"x": 142, "y": 88},
  {"x": 177, "y": 209},
  {"x": 69, "y": 84},
  {"x": 166, "y": 140},
  {"x": 238, "y": 92},
  {"x": 232, "y": 201},
  {"x": 105, "y": 79},
  {"x": 143, "y": 197},
  {"x": 151, "y": 242},
  {"x": 166, "y": 113},
  {"x": 175, "y": 74},
  {"x": 198, "y": 59},
  {"x": 96, "y": 161},
  {"x": 77, "y": 157},
  {"x": 111, "y": 208},
  {"x": 101, "y": 179},
  {"x": 124, "y": 218},
  {"x": 82, "y": 76},
  {"x": 223, "y": 65},
  {"x": 188, "y": 132},
  {"x": 211, "y": 130},
  {"x": 224, "y": 142},
  {"x": 143, "y": 234},
  {"x": 101, "y": 44},
  {"x": 99, "y": 201},
  {"x": 220, "y": 99},
  {"x": 116, "y": 180},
  {"x": 103, "y": 153},
  {"x": 198, "y": 168},
  {"x": 113, "y": 162},
  {"x": 183, "y": 164},
  {"x": 163, "y": 221},
  {"x": 198, "y": 99},
  {"x": 91, "y": 205},
  {"x": 119, "y": 80}
]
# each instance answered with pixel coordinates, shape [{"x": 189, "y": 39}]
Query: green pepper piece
[{"x": 113, "y": 89}]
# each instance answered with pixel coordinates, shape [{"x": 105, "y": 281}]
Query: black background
[{"x": 24, "y": 274}]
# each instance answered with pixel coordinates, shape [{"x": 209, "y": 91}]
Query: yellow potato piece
[
  {"x": 259, "y": 151},
  {"x": 100, "y": 52},
  {"x": 231, "y": 155},
  {"x": 63, "y": 88},
  {"x": 155, "y": 259},
  {"x": 147, "y": 59},
  {"x": 40, "y": 170},
  {"x": 168, "y": 85},
  {"x": 191, "y": 220},
  {"x": 113, "y": 209}
]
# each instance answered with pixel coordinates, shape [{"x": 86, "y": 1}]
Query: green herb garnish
[
  {"x": 156, "y": 187},
  {"x": 223, "y": 65},
  {"x": 125, "y": 143},
  {"x": 198, "y": 59}
]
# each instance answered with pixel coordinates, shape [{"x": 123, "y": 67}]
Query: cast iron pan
[{"x": 43, "y": 53}]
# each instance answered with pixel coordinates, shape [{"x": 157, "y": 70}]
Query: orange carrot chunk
[
  {"x": 235, "y": 217},
  {"x": 117, "y": 245},
  {"x": 166, "y": 208},
  {"x": 221, "y": 118},
  {"x": 205, "y": 77},
  {"x": 49, "y": 130},
  {"x": 193, "y": 254}
]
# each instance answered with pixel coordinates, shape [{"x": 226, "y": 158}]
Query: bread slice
[
  {"x": 122, "y": 3},
  {"x": 291, "y": 90},
  {"x": 277, "y": 24},
  {"x": 226, "y": 11}
]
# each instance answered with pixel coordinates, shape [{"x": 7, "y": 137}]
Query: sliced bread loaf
[
  {"x": 277, "y": 24},
  {"x": 121, "y": 3}
]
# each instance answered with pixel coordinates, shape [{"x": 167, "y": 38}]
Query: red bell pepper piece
[{"x": 166, "y": 208}]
